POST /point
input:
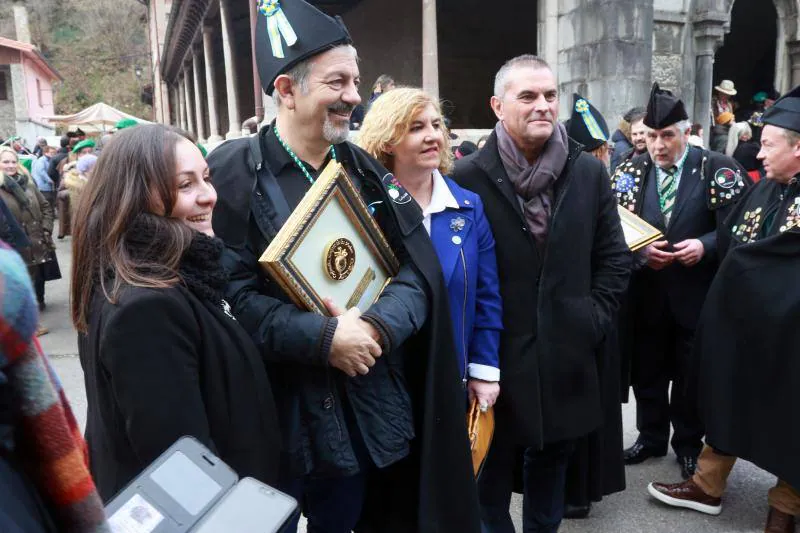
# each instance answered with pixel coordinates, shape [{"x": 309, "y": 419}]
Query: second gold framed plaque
[
  {"x": 331, "y": 247},
  {"x": 638, "y": 233}
]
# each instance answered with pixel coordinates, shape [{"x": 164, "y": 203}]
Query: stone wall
[
  {"x": 605, "y": 53},
  {"x": 7, "y": 112}
]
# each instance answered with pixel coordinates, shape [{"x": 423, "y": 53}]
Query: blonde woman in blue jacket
[{"x": 405, "y": 131}]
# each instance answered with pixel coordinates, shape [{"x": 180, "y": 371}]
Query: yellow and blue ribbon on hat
[
  {"x": 277, "y": 26},
  {"x": 582, "y": 107}
]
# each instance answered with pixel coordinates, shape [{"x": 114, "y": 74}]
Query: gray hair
[
  {"x": 792, "y": 137},
  {"x": 525, "y": 60},
  {"x": 684, "y": 125},
  {"x": 300, "y": 73},
  {"x": 734, "y": 135}
]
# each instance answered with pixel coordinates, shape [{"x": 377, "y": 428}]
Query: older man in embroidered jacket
[{"x": 685, "y": 192}]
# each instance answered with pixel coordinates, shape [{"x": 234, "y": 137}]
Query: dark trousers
[
  {"x": 331, "y": 505},
  {"x": 663, "y": 354},
  {"x": 50, "y": 196},
  {"x": 37, "y": 277},
  {"x": 543, "y": 477},
  {"x": 64, "y": 214}
]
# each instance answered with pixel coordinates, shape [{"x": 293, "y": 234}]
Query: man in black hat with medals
[
  {"x": 361, "y": 397},
  {"x": 685, "y": 192},
  {"x": 747, "y": 338}
]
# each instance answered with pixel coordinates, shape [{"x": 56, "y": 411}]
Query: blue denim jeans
[{"x": 543, "y": 475}]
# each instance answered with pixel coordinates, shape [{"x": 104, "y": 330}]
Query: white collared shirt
[{"x": 441, "y": 199}]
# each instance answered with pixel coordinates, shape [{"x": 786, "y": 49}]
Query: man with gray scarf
[{"x": 563, "y": 266}]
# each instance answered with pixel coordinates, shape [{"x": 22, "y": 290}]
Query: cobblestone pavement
[{"x": 632, "y": 511}]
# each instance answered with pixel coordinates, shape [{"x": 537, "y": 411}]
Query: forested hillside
[{"x": 99, "y": 47}]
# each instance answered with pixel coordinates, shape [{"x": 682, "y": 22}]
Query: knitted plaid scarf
[{"x": 45, "y": 436}]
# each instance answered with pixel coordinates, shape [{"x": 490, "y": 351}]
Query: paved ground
[{"x": 632, "y": 511}]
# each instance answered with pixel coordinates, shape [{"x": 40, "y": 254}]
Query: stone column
[
  {"x": 182, "y": 103},
  {"x": 211, "y": 86},
  {"x": 793, "y": 48},
  {"x": 174, "y": 115},
  {"x": 234, "y": 121},
  {"x": 198, "y": 99},
  {"x": 187, "y": 88},
  {"x": 612, "y": 68},
  {"x": 258, "y": 94},
  {"x": 709, "y": 32},
  {"x": 430, "y": 49},
  {"x": 548, "y": 32}
]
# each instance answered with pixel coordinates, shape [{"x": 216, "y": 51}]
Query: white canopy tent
[{"x": 97, "y": 118}]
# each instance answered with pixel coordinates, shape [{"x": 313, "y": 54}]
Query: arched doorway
[
  {"x": 747, "y": 56},
  {"x": 475, "y": 39}
]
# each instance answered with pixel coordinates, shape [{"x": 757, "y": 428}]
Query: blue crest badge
[{"x": 625, "y": 183}]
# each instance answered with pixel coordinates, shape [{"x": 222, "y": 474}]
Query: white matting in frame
[{"x": 330, "y": 247}]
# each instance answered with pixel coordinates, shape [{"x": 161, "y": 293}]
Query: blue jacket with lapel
[{"x": 464, "y": 242}]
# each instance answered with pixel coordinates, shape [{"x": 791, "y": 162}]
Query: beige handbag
[{"x": 480, "y": 426}]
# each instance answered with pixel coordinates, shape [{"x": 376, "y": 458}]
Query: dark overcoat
[
  {"x": 559, "y": 303},
  {"x": 748, "y": 374},
  {"x": 710, "y": 185},
  {"x": 160, "y": 364},
  {"x": 747, "y": 344},
  {"x": 432, "y": 490}
]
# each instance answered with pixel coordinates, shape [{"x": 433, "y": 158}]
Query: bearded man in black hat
[
  {"x": 747, "y": 338},
  {"x": 355, "y": 390},
  {"x": 685, "y": 192}
]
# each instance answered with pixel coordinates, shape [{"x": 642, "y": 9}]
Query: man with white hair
[
  {"x": 370, "y": 399},
  {"x": 685, "y": 192}
]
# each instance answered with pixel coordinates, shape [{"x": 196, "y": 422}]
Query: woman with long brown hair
[
  {"x": 35, "y": 215},
  {"x": 162, "y": 355}
]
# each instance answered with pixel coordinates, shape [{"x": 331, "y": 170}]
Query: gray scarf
[{"x": 534, "y": 183}]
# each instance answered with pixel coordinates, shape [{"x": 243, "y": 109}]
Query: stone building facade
[{"x": 609, "y": 51}]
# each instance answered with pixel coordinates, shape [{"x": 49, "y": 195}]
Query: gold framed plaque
[
  {"x": 638, "y": 233},
  {"x": 331, "y": 247}
]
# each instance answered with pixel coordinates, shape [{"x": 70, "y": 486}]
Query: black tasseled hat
[
  {"x": 289, "y": 31},
  {"x": 664, "y": 109},
  {"x": 785, "y": 112},
  {"x": 587, "y": 125}
]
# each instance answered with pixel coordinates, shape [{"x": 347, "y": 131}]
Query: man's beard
[{"x": 332, "y": 133}]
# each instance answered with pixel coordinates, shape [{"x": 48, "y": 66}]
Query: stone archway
[
  {"x": 787, "y": 49},
  {"x": 749, "y": 51},
  {"x": 711, "y": 20}
]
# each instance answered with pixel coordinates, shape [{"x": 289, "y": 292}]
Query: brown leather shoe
[
  {"x": 687, "y": 495},
  {"x": 779, "y": 522}
]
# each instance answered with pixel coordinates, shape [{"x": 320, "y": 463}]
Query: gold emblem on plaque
[{"x": 339, "y": 259}]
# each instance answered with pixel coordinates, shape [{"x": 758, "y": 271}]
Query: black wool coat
[
  {"x": 676, "y": 292},
  {"x": 160, "y": 364},
  {"x": 432, "y": 490},
  {"x": 746, "y": 369},
  {"x": 559, "y": 303},
  {"x": 746, "y": 346}
]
